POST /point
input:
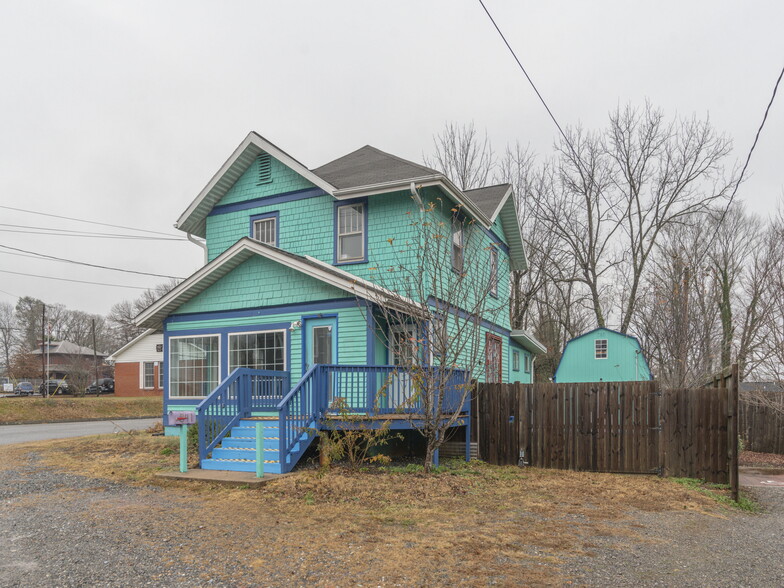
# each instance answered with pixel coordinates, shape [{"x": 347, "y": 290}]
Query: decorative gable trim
[
  {"x": 193, "y": 219},
  {"x": 245, "y": 249}
]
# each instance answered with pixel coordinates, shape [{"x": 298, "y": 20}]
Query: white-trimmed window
[
  {"x": 265, "y": 350},
  {"x": 527, "y": 363},
  {"x": 494, "y": 272},
  {"x": 160, "y": 376},
  {"x": 601, "y": 348},
  {"x": 457, "y": 244},
  {"x": 265, "y": 230},
  {"x": 148, "y": 375},
  {"x": 194, "y": 365},
  {"x": 351, "y": 232},
  {"x": 515, "y": 361}
]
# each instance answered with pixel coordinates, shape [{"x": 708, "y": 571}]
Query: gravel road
[{"x": 692, "y": 549}]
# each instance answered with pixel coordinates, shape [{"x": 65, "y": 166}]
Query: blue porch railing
[
  {"x": 244, "y": 391},
  {"x": 298, "y": 414}
]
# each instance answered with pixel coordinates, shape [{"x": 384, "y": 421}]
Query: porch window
[
  {"x": 265, "y": 230},
  {"x": 494, "y": 272},
  {"x": 457, "y": 244},
  {"x": 193, "y": 365},
  {"x": 264, "y": 350},
  {"x": 351, "y": 233},
  {"x": 601, "y": 348},
  {"x": 148, "y": 375}
]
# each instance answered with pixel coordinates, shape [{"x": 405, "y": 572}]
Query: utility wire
[
  {"x": 62, "y": 233},
  {"x": 70, "y": 280},
  {"x": 748, "y": 157},
  {"x": 80, "y": 220},
  {"x": 64, "y": 260}
]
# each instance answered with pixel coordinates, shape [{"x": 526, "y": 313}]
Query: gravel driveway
[{"x": 691, "y": 549}]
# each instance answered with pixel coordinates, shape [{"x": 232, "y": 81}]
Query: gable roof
[
  {"x": 367, "y": 166},
  {"x": 527, "y": 341},
  {"x": 66, "y": 348},
  {"x": 245, "y": 249},
  {"x": 132, "y": 343},
  {"x": 363, "y": 172},
  {"x": 632, "y": 337}
]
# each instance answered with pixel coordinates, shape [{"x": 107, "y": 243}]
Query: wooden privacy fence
[
  {"x": 624, "y": 427},
  {"x": 761, "y": 425}
]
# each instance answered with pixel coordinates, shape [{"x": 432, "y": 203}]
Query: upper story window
[
  {"x": 601, "y": 348},
  {"x": 494, "y": 272},
  {"x": 350, "y": 227},
  {"x": 457, "y": 244},
  {"x": 264, "y": 228}
]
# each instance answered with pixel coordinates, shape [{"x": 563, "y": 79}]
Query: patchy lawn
[
  {"x": 471, "y": 523},
  {"x": 51, "y": 410}
]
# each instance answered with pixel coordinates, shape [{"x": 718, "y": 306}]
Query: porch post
[{"x": 183, "y": 448}]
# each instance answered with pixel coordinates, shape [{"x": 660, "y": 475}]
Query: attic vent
[{"x": 265, "y": 168}]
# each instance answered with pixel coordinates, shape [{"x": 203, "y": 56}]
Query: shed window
[
  {"x": 351, "y": 232},
  {"x": 601, "y": 348},
  {"x": 457, "y": 244}
]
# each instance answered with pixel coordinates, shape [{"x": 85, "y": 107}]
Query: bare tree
[
  {"x": 8, "y": 338},
  {"x": 432, "y": 323},
  {"x": 463, "y": 156}
]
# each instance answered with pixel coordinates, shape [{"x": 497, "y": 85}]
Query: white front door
[{"x": 402, "y": 352}]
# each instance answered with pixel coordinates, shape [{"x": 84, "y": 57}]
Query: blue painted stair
[{"x": 237, "y": 451}]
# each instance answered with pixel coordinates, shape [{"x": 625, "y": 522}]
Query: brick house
[{"x": 138, "y": 366}]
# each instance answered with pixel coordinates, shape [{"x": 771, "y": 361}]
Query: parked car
[
  {"x": 101, "y": 386},
  {"x": 54, "y": 387},
  {"x": 24, "y": 389}
]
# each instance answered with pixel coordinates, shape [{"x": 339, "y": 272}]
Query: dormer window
[
  {"x": 264, "y": 228},
  {"x": 601, "y": 348},
  {"x": 350, "y": 233}
]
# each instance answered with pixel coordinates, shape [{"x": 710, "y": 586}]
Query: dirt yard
[
  {"x": 106, "y": 523},
  {"x": 14, "y": 411}
]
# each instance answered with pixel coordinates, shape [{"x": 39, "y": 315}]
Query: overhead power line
[
  {"x": 68, "y": 233},
  {"x": 64, "y": 260},
  {"x": 81, "y": 220},
  {"x": 71, "y": 280}
]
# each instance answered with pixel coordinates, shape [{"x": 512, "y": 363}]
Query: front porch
[{"x": 256, "y": 413}]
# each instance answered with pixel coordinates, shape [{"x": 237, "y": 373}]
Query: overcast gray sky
[{"x": 121, "y": 112}]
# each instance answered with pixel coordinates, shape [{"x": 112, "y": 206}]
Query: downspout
[
  {"x": 201, "y": 244},
  {"x": 533, "y": 371}
]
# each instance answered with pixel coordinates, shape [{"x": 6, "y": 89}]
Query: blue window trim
[
  {"x": 272, "y": 214},
  {"x": 338, "y": 204},
  {"x": 494, "y": 251}
]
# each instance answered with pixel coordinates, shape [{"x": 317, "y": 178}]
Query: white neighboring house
[{"x": 138, "y": 366}]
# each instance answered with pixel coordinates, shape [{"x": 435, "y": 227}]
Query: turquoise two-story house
[
  {"x": 286, "y": 314},
  {"x": 603, "y": 355}
]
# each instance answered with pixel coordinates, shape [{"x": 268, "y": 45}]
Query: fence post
[{"x": 732, "y": 432}]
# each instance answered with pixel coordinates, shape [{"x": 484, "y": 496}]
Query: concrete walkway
[{"x": 10, "y": 434}]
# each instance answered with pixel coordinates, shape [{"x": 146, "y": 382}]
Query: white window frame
[
  {"x": 160, "y": 374},
  {"x": 494, "y": 272},
  {"x": 596, "y": 348},
  {"x": 143, "y": 375},
  {"x": 457, "y": 242},
  {"x": 526, "y": 363},
  {"x": 515, "y": 360},
  {"x": 265, "y": 331},
  {"x": 169, "y": 363},
  {"x": 270, "y": 220},
  {"x": 360, "y": 232}
]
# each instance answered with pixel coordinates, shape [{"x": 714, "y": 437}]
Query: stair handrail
[
  {"x": 213, "y": 399},
  {"x": 309, "y": 410}
]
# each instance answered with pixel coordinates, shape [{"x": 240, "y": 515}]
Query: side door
[
  {"x": 402, "y": 352},
  {"x": 493, "y": 359},
  {"x": 320, "y": 345}
]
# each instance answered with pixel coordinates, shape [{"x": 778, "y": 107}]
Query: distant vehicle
[
  {"x": 54, "y": 387},
  {"x": 101, "y": 386},
  {"x": 24, "y": 389}
]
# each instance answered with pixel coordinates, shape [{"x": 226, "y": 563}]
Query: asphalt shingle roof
[
  {"x": 367, "y": 166},
  {"x": 488, "y": 198}
]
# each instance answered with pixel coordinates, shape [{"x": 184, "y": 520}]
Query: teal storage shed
[{"x": 603, "y": 355}]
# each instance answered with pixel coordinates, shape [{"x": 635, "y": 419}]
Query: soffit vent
[{"x": 264, "y": 162}]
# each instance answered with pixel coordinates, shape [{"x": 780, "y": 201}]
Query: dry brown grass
[
  {"x": 474, "y": 524},
  {"x": 57, "y": 409}
]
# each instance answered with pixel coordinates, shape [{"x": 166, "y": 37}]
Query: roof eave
[{"x": 528, "y": 342}]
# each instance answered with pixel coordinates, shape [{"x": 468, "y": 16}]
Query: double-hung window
[
  {"x": 160, "y": 376},
  {"x": 527, "y": 364},
  {"x": 494, "y": 272},
  {"x": 265, "y": 230},
  {"x": 601, "y": 348},
  {"x": 148, "y": 375},
  {"x": 515, "y": 361},
  {"x": 457, "y": 244},
  {"x": 350, "y": 233}
]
